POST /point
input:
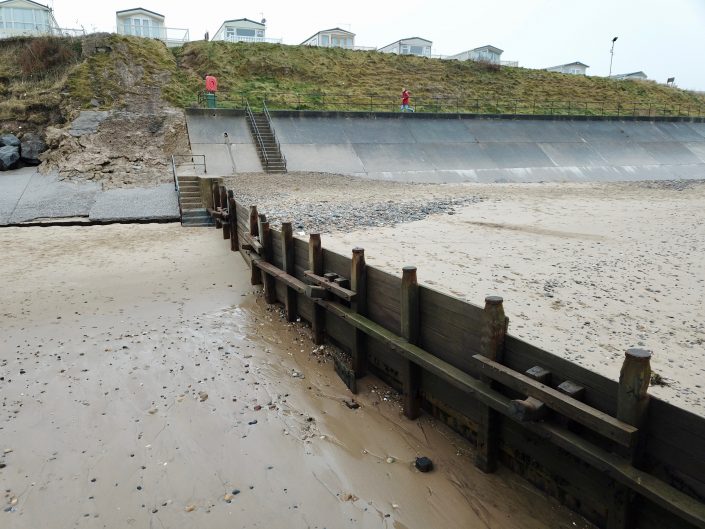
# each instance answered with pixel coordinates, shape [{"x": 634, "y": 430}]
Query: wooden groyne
[{"x": 606, "y": 449}]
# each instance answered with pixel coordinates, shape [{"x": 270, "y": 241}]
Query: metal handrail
[
  {"x": 452, "y": 104},
  {"x": 271, "y": 127},
  {"x": 193, "y": 162},
  {"x": 176, "y": 187},
  {"x": 258, "y": 136}
]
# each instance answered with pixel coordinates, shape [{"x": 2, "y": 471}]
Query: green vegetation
[{"x": 47, "y": 80}]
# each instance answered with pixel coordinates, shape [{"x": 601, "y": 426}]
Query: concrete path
[{"x": 27, "y": 196}]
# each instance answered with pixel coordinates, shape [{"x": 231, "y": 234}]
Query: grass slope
[
  {"x": 45, "y": 81},
  {"x": 255, "y": 70}
]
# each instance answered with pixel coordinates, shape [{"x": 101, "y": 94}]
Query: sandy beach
[{"x": 144, "y": 383}]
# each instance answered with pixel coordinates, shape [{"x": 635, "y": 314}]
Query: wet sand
[
  {"x": 145, "y": 384},
  {"x": 586, "y": 270}
]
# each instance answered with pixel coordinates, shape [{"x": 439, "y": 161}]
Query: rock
[
  {"x": 9, "y": 156},
  {"x": 423, "y": 464},
  {"x": 351, "y": 404},
  {"x": 390, "y": 460},
  {"x": 202, "y": 396},
  {"x": 9, "y": 140},
  {"x": 32, "y": 146},
  {"x": 190, "y": 508}
]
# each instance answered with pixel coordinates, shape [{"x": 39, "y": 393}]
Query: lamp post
[{"x": 612, "y": 55}]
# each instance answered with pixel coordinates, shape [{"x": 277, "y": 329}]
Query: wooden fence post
[
  {"x": 232, "y": 213},
  {"x": 255, "y": 275},
  {"x": 632, "y": 407},
  {"x": 288, "y": 258},
  {"x": 265, "y": 235},
  {"x": 215, "y": 191},
  {"x": 315, "y": 264},
  {"x": 492, "y": 347},
  {"x": 411, "y": 377},
  {"x": 358, "y": 284},
  {"x": 223, "y": 204}
]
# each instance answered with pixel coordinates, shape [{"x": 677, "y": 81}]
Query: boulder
[
  {"x": 32, "y": 146},
  {"x": 9, "y": 156},
  {"x": 9, "y": 140}
]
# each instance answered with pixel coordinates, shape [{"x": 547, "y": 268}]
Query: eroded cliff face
[{"x": 100, "y": 110}]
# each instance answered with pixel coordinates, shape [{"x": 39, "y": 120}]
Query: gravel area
[{"x": 328, "y": 203}]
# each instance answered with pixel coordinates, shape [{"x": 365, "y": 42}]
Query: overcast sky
[{"x": 661, "y": 38}]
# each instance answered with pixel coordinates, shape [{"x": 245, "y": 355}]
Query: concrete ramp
[{"x": 445, "y": 148}]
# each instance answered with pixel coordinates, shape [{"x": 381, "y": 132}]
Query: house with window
[
  {"x": 638, "y": 76},
  {"x": 24, "y": 17},
  {"x": 482, "y": 54},
  {"x": 332, "y": 38},
  {"x": 410, "y": 46},
  {"x": 573, "y": 68},
  {"x": 243, "y": 30},
  {"x": 140, "y": 22}
]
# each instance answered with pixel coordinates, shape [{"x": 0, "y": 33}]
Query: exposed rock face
[
  {"x": 9, "y": 140},
  {"x": 30, "y": 149},
  {"x": 9, "y": 156}
]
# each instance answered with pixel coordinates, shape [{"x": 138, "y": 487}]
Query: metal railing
[
  {"x": 271, "y": 128},
  {"x": 172, "y": 37},
  {"x": 258, "y": 136},
  {"x": 451, "y": 104},
  {"x": 242, "y": 38}
]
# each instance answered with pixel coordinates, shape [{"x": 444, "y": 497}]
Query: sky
[{"x": 662, "y": 39}]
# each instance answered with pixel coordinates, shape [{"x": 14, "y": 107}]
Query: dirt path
[{"x": 143, "y": 384}]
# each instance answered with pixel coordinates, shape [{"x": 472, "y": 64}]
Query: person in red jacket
[
  {"x": 211, "y": 84},
  {"x": 405, "y": 101}
]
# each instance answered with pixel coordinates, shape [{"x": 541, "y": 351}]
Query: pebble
[
  {"x": 390, "y": 460},
  {"x": 423, "y": 464}
]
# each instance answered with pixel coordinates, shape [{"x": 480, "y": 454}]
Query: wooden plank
[
  {"x": 450, "y": 328},
  {"x": 277, "y": 257},
  {"x": 384, "y": 299},
  {"x": 358, "y": 283},
  {"x": 598, "y": 421},
  {"x": 333, "y": 288},
  {"x": 223, "y": 206},
  {"x": 286, "y": 245},
  {"x": 411, "y": 375},
  {"x": 315, "y": 264},
  {"x": 232, "y": 218},
  {"x": 334, "y": 262},
  {"x": 271, "y": 270}
]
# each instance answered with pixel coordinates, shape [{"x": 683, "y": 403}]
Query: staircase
[
  {"x": 193, "y": 212},
  {"x": 270, "y": 154}
]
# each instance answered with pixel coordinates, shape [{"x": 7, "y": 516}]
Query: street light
[{"x": 612, "y": 55}]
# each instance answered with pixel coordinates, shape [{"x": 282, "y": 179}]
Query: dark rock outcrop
[
  {"x": 9, "y": 140},
  {"x": 32, "y": 146},
  {"x": 9, "y": 156}
]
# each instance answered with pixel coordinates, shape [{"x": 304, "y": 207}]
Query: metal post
[{"x": 612, "y": 55}]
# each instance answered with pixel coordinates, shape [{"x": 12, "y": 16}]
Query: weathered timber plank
[
  {"x": 338, "y": 331},
  {"x": 450, "y": 328},
  {"x": 384, "y": 299},
  {"x": 280, "y": 275},
  {"x": 277, "y": 259},
  {"x": 333, "y": 288},
  {"x": 305, "y": 307},
  {"x": 334, "y": 262},
  {"x": 600, "y": 392},
  {"x": 598, "y": 421},
  {"x": 387, "y": 364}
]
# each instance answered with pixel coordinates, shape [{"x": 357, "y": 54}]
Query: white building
[
  {"x": 640, "y": 76},
  {"x": 243, "y": 30},
  {"x": 410, "y": 46},
  {"x": 140, "y": 22},
  {"x": 332, "y": 38},
  {"x": 573, "y": 68},
  {"x": 24, "y": 17},
  {"x": 483, "y": 53}
]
